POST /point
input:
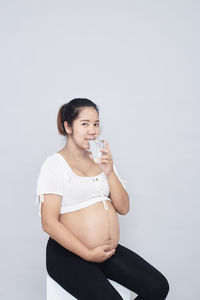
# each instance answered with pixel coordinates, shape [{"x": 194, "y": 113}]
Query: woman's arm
[
  {"x": 118, "y": 194},
  {"x": 50, "y": 210},
  {"x": 67, "y": 239}
]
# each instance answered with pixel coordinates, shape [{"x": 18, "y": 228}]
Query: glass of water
[{"x": 95, "y": 146}]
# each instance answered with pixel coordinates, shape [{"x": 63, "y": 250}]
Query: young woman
[{"x": 79, "y": 201}]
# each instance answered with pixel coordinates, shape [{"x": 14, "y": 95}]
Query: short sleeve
[
  {"x": 50, "y": 180},
  {"x": 123, "y": 182}
]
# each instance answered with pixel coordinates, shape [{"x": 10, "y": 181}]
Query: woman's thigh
[
  {"x": 82, "y": 279},
  {"x": 132, "y": 271}
]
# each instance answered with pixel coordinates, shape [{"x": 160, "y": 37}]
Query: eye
[{"x": 87, "y": 124}]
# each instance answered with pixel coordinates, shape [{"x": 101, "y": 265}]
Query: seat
[{"x": 56, "y": 292}]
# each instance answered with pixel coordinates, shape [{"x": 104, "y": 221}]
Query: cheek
[{"x": 81, "y": 131}]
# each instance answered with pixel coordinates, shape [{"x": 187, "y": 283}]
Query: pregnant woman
[{"x": 79, "y": 201}]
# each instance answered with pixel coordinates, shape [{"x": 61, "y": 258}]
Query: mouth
[{"x": 90, "y": 139}]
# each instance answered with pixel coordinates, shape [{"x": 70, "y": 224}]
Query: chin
[{"x": 86, "y": 147}]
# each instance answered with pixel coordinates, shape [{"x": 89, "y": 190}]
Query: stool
[{"x": 56, "y": 292}]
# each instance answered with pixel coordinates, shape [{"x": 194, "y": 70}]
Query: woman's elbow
[
  {"x": 48, "y": 225},
  {"x": 125, "y": 212}
]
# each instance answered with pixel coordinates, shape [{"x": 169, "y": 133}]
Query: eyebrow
[{"x": 89, "y": 120}]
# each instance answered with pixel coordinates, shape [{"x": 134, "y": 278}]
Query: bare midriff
[{"x": 94, "y": 225}]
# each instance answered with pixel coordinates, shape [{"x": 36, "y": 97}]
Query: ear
[{"x": 67, "y": 127}]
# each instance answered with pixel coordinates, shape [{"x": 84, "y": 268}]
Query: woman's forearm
[
  {"x": 118, "y": 194},
  {"x": 67, "y": 239}
]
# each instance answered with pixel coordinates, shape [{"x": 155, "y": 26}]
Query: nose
[
  {"x": 92, "y": 130},
  {"x": 92, "y": 133}
]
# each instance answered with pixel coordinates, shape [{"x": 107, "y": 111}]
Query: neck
[{"x": 74, "y": 153}]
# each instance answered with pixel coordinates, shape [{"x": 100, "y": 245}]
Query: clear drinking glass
[{"x": 95, "y": 145}]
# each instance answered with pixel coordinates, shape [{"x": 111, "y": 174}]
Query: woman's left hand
[{"x": 106, "y": 160}]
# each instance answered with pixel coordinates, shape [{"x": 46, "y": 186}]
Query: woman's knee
[{"x": 160, "y": 288}]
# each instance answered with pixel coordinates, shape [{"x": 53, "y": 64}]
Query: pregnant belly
[{"x": 94, "y": 225}]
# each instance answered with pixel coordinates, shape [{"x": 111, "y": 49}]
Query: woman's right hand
[{"x": 101, "y": 253}]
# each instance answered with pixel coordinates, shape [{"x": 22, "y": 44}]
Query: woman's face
[{"x": 85, "y": 127}]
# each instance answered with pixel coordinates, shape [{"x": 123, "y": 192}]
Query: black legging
[{"x": 88, "y": 280}]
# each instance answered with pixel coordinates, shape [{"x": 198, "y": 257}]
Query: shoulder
[{"x": 51, "y": 163}]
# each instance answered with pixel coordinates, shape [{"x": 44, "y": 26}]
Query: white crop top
[{"x": 57, "y": 177}]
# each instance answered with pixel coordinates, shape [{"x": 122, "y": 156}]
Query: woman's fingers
[
  {"x": 106, "y": 144},
  {"x": 90, "y": 155},
  {"x": 103, "y": 150}
]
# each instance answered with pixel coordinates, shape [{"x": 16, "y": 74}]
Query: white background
[{"x": 139, "y": 62}]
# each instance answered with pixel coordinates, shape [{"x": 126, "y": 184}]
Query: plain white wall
[{"x": 139, "y": 62}]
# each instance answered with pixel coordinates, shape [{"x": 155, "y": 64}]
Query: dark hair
[{"x": 70, "y": 111}]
